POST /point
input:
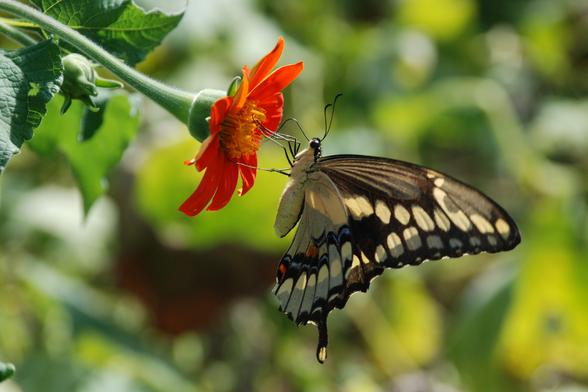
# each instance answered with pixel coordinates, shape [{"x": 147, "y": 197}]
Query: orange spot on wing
[
  {"x": 312, "y": 251},
  {"x": 282, "y": 271}
]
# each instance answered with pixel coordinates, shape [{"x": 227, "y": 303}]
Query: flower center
[{"x": 238, "y": 134}]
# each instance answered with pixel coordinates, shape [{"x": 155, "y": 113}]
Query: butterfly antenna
[
  {"x": 328, "y": 126},
  {"x": 325, "y": 116},
  {"x": 297, "y": 124},
  {"x": 282, "y": 125}
]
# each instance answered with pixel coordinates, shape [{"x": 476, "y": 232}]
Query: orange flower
[{"x": 234, "y": 138}]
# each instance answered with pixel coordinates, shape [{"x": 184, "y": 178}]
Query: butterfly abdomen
[
  {"x": 290, "y": 207},
  {"x": 292, "y": 198}
]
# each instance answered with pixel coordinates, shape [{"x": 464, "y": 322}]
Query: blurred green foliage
[
  {"x": 6, "y": 371},
  {"x": 91, "y": 160},
  {"x": 163, "y": 169},
  {"x": 493, "y": 92}
]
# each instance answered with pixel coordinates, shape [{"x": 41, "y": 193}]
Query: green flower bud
[
  {"x": 200, "y": 112},
  {"x": 234, "y": 86},
  {"x": 80, "y": 80}
]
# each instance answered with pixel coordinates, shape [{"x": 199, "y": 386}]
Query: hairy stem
[
  {"x": 19, "y": 23},
  {"x": 16, "y": 35},
  {"x": 176, "y": 101}
]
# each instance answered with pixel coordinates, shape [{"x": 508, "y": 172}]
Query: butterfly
[{"x": 358, "y": 215}]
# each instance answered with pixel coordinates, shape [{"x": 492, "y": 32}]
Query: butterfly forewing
[{"x": 412, "y": 213}]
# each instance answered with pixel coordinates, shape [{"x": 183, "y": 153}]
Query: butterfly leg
[
  {"x": 286, "y": 153},
  {"x": 323, "y": 340}
]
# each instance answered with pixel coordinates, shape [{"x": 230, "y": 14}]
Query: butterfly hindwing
[{"x": 311, "y": 274}]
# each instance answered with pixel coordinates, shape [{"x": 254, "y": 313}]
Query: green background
[{"x": 137, "y": 297}]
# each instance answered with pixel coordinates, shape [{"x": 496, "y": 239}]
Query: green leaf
[
  {"x": 29, "y": 79},
  {"x": 92, "y": 120},
  {"x": 120, "y": 26},
  {"x": 93, "y": 159},
  {"x": 6, "y": 371}
]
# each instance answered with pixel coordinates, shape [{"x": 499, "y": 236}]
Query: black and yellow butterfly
[{"x": 358, "y": 215}]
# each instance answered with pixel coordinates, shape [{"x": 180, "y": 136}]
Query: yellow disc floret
[{"x": 239, "y": 134}]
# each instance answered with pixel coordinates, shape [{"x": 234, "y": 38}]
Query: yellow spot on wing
[
  {"x": 456, "y": 215},
  {"x": 441, "y": 220},
  {"x": 346, "y": 252},
  {"x": 353, "y": 208},
  {"x": 422, "y": 218},
  {"x": 322, "y": 287},
  {"x": 383, "y": 212},
  {"x": 482, "y": 224},
  {"x": 394, "y": 245},
  {"x": 284, "y": 291},
  {"x": 411, "y": 236},
  {"x": 359, "y": 207},
  {"x": 334, "y": 261},
  {"x": 297, "y": 296},
  {"x": 401, "y": 214},
  {"x": 323, "y": 274},
  {"x": 380, "y": 254},
  {"x": 365, "y": 206},
  {"x": 308, "y": 295},
  {"x": 503, "y": 228}
]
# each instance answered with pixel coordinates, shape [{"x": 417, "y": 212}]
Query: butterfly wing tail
[{"x": 323, "y": 340}]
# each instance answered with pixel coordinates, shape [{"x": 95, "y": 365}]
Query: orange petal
[
  {"x": 248, "y": 174},
  {"x": 208, "y": 152},
  {"x": 242, "y": 91},
  {"x": 277, "y": 81},
  {"x": 218, "y": 112},
  {"x": 272, "y": 102},
  {"x": 274, "y": 108},
  {"x": 206, "y": 189},
  {"x": 226, "y": 188},
  {"x": 265, "y": 65}
]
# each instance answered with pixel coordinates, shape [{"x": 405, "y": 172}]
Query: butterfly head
[
  {"x": 315, "y": 145},
  {"x": 309, "y": 155}
]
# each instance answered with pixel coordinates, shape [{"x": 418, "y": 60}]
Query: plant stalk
[{"x": 16, "y": 35}]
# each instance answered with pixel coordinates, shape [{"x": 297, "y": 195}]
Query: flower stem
[
  {"x": 15, "y": 34},
  {"x": 19, "y": 23},
  {"x": 176, "y": 101}
]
